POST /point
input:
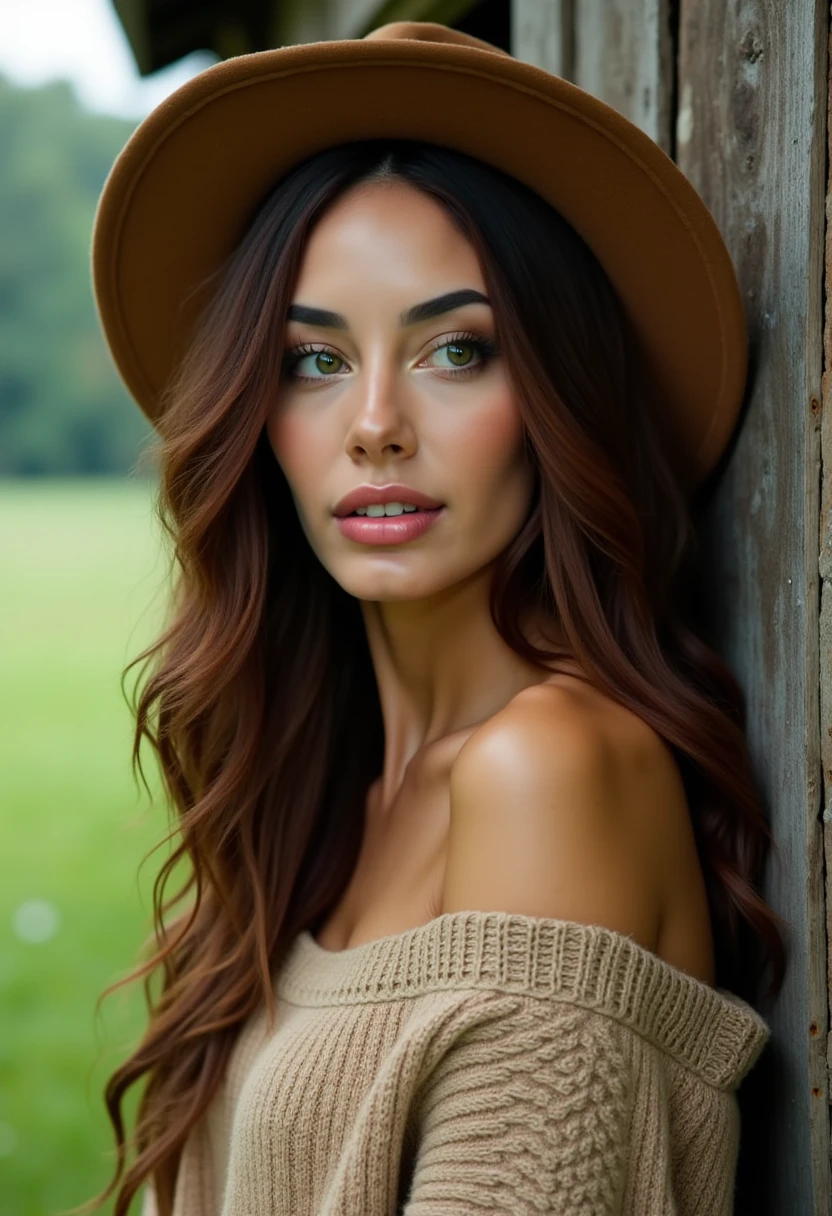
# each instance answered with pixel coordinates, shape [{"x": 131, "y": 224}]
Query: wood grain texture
[
  {"x": 542, "y": 33},
  {"x": 624, "y": 55},
  {"x": 824, "y": 407},
  {"x": 751, "y": 137}
]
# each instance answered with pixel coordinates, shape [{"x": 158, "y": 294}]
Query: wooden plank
[
  {"x": 542, "y": 34},
  {"x": 618, "y": 50},
  {"x": 751, "y": 137},
  {"x": 133, "y": 18},
  {"x": 323, "y": 20},
  {"x": 623, "y": 53},
  {"x": 445, "y": 12},
  {"x": 825, "y": 575},
  {"x": 319, "y": 20}
]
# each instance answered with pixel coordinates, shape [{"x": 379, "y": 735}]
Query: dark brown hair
[{"x": 259, "y": 700}]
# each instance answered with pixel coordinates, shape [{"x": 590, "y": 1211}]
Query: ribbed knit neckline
[{"x": 708, "y": 1030}]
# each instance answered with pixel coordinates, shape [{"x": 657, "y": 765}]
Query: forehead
[{"x": 388, "y": 233}]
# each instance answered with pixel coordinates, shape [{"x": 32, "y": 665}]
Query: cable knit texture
[{"x": 484, "y": 1063}]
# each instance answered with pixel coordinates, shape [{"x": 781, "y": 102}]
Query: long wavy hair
[{"x": 259, "y": 700}]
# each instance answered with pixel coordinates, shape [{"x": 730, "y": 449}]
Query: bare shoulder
[{"x": 568, "y": 806}]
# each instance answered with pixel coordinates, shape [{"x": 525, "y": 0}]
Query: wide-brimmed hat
[{"x": 184, "y": 189}]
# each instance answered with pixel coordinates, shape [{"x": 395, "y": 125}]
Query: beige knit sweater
[{"x": 482, "y": 1063}]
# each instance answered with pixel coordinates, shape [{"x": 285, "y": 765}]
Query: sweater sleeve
[{"x": 528, "y": 1111}]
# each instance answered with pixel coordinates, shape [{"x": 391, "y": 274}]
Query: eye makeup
[{"x": 485, "y": 348}]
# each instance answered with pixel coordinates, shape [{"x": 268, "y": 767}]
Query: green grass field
[{"x": 81, "y": 594}]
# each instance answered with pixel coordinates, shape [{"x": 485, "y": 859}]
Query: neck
[{"x": 442, "y": 668}]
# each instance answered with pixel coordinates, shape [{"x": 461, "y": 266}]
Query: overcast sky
[{"x": 82, "y": 41}]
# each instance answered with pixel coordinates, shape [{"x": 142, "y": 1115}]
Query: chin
[{"x": 389, "y": 586}]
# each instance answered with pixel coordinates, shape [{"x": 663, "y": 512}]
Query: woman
[{"x": 471, "y": 833}]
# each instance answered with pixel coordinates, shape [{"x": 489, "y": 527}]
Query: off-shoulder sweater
[{"x": 482, "y": 1063}]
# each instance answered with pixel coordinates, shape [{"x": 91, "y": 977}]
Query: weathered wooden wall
[
  {"x": 825, "y": 566},
  {"x": 736, "y": 93},
  {"x": 752, "y": 83}
]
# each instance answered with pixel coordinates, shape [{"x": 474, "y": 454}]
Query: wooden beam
[
  {"x": 133, "y": 18},
  {"x": 160, "y": 33},
  {"x": 751, "y": 137},
  {"x": 318, "y": 20},
  {"x": 542, "y": 34},
  {"x": 824, "y": 407},
  {"x": 618, "y": 50},
  {"x": 445, "y": 12},
  {"x": 624, "y": 55}
]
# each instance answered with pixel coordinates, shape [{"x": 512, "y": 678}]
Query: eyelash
[{"x": 485, "y": 348}]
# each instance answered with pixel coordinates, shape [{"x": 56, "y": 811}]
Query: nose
[{"x": 380, "y": 419}]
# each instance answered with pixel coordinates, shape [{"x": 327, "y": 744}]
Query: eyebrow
[{"x": 411, "y": 316}]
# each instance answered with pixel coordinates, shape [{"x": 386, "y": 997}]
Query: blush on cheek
[
  {"x": 493, "y": 466},
  {"x": 496, "y": 441},
  {"x": 293, "y": 446},
  {"x": 279, "y": 431}
]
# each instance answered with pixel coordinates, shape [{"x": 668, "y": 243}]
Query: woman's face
[{"x": 377, "y": 397}]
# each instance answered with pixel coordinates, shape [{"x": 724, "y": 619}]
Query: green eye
[
  {"x": 320, "y": 364},
  {"x": 465, "y": 354},
  {"x": 325, "y": 361},
  {"x": 459, "y": 353}
]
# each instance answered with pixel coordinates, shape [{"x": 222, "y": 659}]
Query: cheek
[
  {"x": 294, "y": 448},
  {"x": 492, "y": 450}
]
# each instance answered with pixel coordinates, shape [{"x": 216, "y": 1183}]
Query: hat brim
[{"x": 183, "y": 190}]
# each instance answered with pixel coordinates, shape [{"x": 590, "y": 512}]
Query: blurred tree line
[{"x": 63, "y": 409}]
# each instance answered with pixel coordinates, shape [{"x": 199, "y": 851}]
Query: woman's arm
[
  {"x": 530, "y": 1112},
  {"x": 546, "y": 1108}
]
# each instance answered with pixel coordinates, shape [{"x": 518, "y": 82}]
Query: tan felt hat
[{"x": 185, "y": 187}]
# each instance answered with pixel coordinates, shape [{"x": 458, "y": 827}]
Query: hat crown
[{"x": 431, "y": 31}]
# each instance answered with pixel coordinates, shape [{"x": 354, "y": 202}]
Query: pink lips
[
  {"x": 389, "y": 529},
  {"x": 394, "y": 491}
]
